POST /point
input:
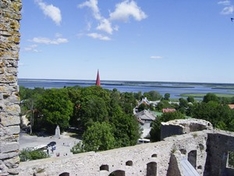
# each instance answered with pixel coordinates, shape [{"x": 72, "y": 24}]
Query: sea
[{"x": 174, "y": 88}]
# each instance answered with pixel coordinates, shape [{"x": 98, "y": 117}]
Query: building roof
[
  {"x": 168, "y": 110},
  {"x": 231, "y": 106},
  {"x": 145, "y": 115}
]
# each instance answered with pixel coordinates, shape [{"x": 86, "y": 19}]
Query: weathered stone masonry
[{"x": 9, "y": 98}]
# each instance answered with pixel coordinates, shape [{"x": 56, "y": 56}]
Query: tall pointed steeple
[{"x": 98, "y": 83}]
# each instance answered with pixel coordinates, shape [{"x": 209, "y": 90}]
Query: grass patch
[{"x": 199, "y": 95}]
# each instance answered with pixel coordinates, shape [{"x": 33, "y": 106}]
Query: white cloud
[
  {"x": 51, "y": 11},
  {"x": 126, "y": 9},
  {"x": 32, "y": 48},
  {"x": 156, "y": 57},
  {"x": 48, "y": 41},
  {"x": 105, "y": 25},
  {"x": 123, "y": 11},
  {"x": 98, "y": 36},
  {"x": 224, "y": 2},
  {"x": 93, "y": 5},
  {"x": 227, "y": 10}
]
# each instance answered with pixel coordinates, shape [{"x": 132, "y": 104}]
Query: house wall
[{"x": 9, "y": 97}]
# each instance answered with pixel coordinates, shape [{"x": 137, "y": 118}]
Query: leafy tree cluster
[
  {"x": 104, "y": 117},
  {"x": 212, "y": 108},
  {"x": 153, "y": 95}
]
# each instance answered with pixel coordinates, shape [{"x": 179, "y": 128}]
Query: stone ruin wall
[
  {"x": 182, "y": 126},
  {"x": 90, "y": 164},
  {"x": 9, "y": 97},
  {"x": 219, "y": 144},
  {"x": 206, "y": 151}
]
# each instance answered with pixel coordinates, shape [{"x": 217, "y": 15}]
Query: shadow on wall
[{"x": 64, "y": 174}]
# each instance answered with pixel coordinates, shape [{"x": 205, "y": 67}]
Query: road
[{"x": 63, "y": 144}]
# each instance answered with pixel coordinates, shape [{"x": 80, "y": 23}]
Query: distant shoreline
[
  {"x": 126, "y": 81},
  {"x": 175, "y": 89}
]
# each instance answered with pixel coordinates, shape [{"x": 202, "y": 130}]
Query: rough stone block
[
  {"x": 3, "y": 88},
  {"x": 12, "y": 162},
  {"x": 8, "y": 155},
  {"x": 10, "y": 120},
  {"x": 13, "y": 109},
  {"x": 13, "y": 171},
  {"x": 14, "y": 130},
  {"x": 10, "y": 147}
]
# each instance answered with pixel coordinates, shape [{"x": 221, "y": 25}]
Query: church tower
[{"x": 98, "y": 83}]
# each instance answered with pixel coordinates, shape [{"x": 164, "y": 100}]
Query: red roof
[{"x": 168, "y": 110}]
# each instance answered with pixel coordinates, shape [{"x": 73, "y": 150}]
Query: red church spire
[{"x": 98, "y": 83}]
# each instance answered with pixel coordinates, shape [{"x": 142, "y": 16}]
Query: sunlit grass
[{"x": 199, "y": 95}]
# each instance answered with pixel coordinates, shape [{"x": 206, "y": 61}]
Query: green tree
[
  {"x": 183, "y": 104},
  {"x": 155, "y": 130},
  {"x": 92, "y": 109},
  {"x": 232, "y": 100},
  {"x": 138, "y": 95},
  {"x": 190, "y": 99},
  {"x": 210, "y": 97},
  {"x": 172, "y": 115},
  {"x": 221, "y": 116},
  {"x": 163, "y": 104},
  {"x": 152, "y": 95},
  {"x": 98, "y": 137},
  {"x": 142, "y": 107},
  {"x": 125, "y": 130},
  {"x": 167, "y": 96},
  {"x": 127, "y": 102},
  {"x": 55, "y": 109}
]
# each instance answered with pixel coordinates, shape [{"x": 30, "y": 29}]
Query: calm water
[{"x": 174, "y": 88}]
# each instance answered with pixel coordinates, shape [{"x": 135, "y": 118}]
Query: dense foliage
[
  {"x": 98, "y": 114},
  {"x": 211, "y": 108},
  {"x": 104, "y": 118},
  {"x": 55, "y": 109},
  {"x": 98, "y": 137}
]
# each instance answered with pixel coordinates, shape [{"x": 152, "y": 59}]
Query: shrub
[
  {"x": 27, "y": 154},
  {"x": 78, "y": 148}
]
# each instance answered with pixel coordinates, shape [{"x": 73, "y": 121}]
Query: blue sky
[{"x": 153, "y": 40}]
